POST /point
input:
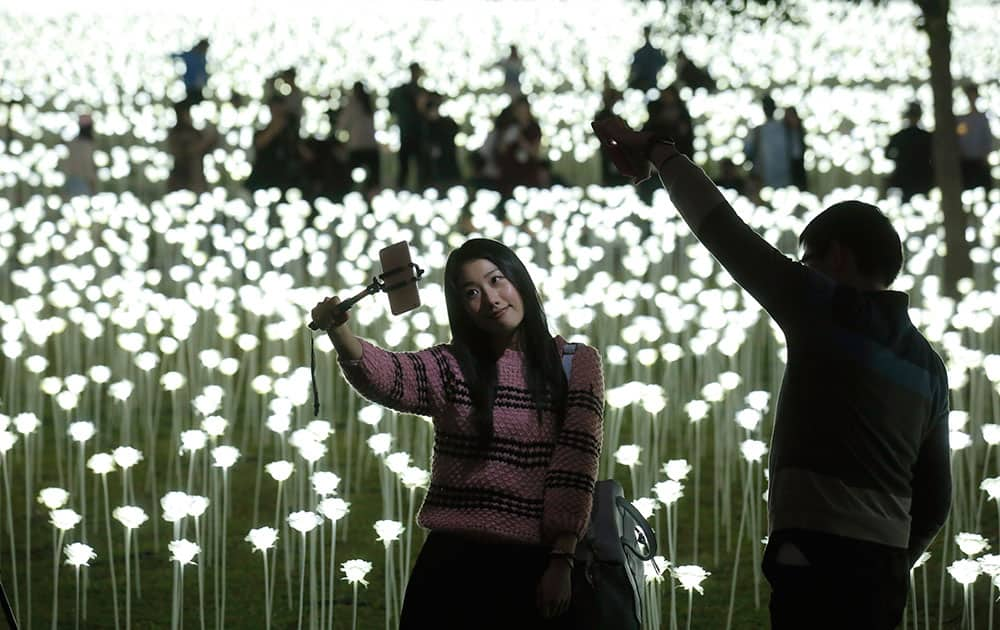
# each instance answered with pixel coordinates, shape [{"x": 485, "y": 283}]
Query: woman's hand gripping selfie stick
[{"x": 398, "y": 280}]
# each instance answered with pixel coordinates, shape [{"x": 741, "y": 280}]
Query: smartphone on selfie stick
[{"x": 398, "y": 280}]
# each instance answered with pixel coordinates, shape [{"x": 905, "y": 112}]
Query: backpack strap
[{"x": 567, "y": 359}]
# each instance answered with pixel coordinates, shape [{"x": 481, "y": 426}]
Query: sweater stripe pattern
[{"x": 533, "y": 481}]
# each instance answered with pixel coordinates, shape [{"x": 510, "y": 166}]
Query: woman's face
[{"x": 490, "y": 299}]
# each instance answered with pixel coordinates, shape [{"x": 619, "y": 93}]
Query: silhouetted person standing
[
  {"x": 188, "y": 146},
  {"x": 691, "y": 75},
  {"x": 279, "y": 158},
  {"x": 442, "y": 155},
  {"x": 512, "y": 66},
  {"x": 195, "y": 70},
  {"x": 406, "y": 102},
  {"x": 975, "y": 142},
  {"x": 797, "y": 140},
  {"x": 646, "y": 64},
  {"x": 860, "y": 479},
  {"x": 911, "y": 149},
  {"x": 357, "y": 119},
  {"x": 771, "y": 149},
  {"x": 78, "y": 166}
]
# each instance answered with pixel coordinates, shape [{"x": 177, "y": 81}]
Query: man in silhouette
[
  {"x": 646, "y": 64},
  {"x": 910, "y": 149},
  {"x": 859, "y": 466},
  {"x": 407, "y": 103}
]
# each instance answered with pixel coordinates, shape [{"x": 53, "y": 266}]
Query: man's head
[
  {"x": 769, "y": 107},
  {"x": 853, "y": 243},
  {"x": 971, "y": 93},
  {"x": 913, "y": 112},
  {"x": 416, "y": 72}
]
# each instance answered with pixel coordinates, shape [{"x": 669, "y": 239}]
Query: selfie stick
[{"x": 378, "y": 284}]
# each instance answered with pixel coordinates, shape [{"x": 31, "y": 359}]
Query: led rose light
[
  {"x": 971, "y": 544},
  {"x": 758, "y": 400},
  {"x": 99, "y": 374},
  {"x": 628, "y": 455},
  {"x": 414, "y": 477},
  {"x": 174, "y": 506},
  {"x": 225, "y": 456},
  {"x": 280, "y": 470},
  {"x": 262, "y": 538},
  {"x": 959, "y": 440},
  {"x": 696, "y": 410},
  {"x": 654, "y": 568},
  {"x": 261, "y": 384},
  {"x": 749, "y": 419},
  {"x": 388, "y": 531},
  {"x": 121, "y": 390},
  {"x": 101, "y": 463},
  {"x": 690, "y": 576},
  {"x": 990, "y": 565},
  {"x": 130, "y": 516},
  {"x": 677, "y": 469},
  {"x": 645, "y": 505},
  {"x": 325, "y": 483},
  {"x": 311, "y": 450},
  {"x": 668, "y": 492},
  {"x": 397, "y": 462},
  {"x": 206, "y": 405},
  {"x": 753, "y": 450},
  {"x": 964, "y": 571},
  {"x": 355, "y": 571},
  {"x": 320, "y": 429},
  {"x": 279, "y": 423},
  {"x": 991, "y": 434},
  {"x": 380, "y": 443},
  {"x": 370, "y": 415},
  {"x": 172, "y": 381},
  {"x": 193, "y": 440},
  {"x": 64, "y": 519},
  {"x": 183, "y": 551},
  {"x": 51, "y": 385},
  {"x": 304, "y": 521},
  {"x": 53, "y": 498},
  {"x": 7, "y": 441},
  {"x": 81, "y": 431},
  {"x": 197, "y": 505},
  {"x": 333, "y": 508},
  {"x": 126, "y": 457},
  {"x": 214, "y": 426},
  {"x": 26, "y": 423},
  {"x": 991, "y": 486},
  {"x": 79, "y": 555}
]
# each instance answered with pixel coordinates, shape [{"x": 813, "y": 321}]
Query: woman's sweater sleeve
[
  {"x": 572, "y": 473},
  {"x": 408, "y": 382}
]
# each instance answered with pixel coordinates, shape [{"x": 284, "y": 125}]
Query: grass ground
[{"x": 244, "y": 602}]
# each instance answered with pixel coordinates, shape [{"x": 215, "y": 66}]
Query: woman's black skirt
[{"x": 462, "y": 583}]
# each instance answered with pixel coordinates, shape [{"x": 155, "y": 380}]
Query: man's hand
[
  {"x": 555, "y": 589},
  {"x": 626, "y": 148}
]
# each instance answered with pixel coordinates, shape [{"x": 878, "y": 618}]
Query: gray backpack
[{"x": 608, "y": 576}]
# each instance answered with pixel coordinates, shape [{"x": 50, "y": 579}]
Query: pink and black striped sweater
[{"x": 530, "y": 484}]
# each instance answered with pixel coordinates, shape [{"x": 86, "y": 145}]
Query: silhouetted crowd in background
[{"x": 512, "y": 155}]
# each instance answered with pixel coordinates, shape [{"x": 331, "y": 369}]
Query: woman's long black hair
[{"x": 474, "y": 350}]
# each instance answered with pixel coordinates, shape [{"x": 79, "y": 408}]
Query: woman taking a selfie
[{"x": 516, "y": 446}]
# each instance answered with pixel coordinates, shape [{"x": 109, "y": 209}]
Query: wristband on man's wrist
[{"x": 656, "y": 142}]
